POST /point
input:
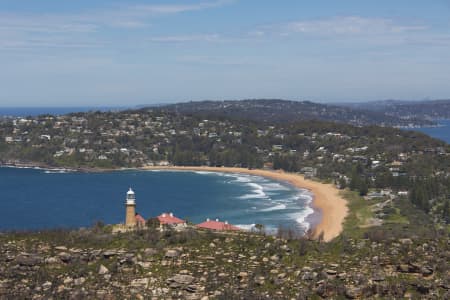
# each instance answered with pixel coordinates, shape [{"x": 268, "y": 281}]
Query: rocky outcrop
[{"x": 238, "y": 266}]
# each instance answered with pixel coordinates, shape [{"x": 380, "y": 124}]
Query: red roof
[
  {"x": 216, "y": 225},
  {"x": 139, "y": 219},
  {"x": 166, "y": 218}
]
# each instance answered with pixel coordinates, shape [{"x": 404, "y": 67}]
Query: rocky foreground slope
[{"x": 95, "y": 264}]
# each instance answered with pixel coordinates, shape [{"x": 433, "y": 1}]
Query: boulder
[
  {"x": 405, "y": 241},
  {"x": 109, "y": 253},
  {"x": 275, "y": 257},
  {"x": 181, "y": 279},
  {"x": 426, "y": 270},
  {"x": 242, "y": 275},
  {"x": 79, "y": 281},
  {"x": 102, "y": 270},
  {"x": 352, "y": 292},
  {"x": 331, "y": 272},
  {"x": 65, "y": 257},
  {"x": 403, "y": 268},
  {"x": 28, "y": 261},
  {"x": 52, "y": 260},
  {"x": 172, "y": 253}
]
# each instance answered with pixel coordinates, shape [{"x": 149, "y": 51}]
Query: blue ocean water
[
  {"x": 441, "y": 132},
  {"x": 35, "y": 199}
]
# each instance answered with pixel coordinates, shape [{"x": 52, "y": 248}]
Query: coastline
[
  {"x": 332, "y": 207},
  {"x": 329, "y": 207}
]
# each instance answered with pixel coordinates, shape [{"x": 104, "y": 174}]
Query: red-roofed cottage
[
  {"x": 140, "y": 221},
  {"x": 171, "y": 220},
  {"x": 217, "y": 225}
]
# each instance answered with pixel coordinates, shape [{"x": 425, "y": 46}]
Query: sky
[{"x": 135, "y": 52}]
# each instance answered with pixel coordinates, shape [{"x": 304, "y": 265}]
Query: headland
[{"x": 326, "y": 199}]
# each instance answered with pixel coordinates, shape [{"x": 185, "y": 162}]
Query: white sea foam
[
  {"x": 46, "y": 170},
  {"x": 276, "y": 207},
  {"x": 274, "y": 186},
  {"x": 57, "y": 171},
  {"x": 257, "y": 192},
  {"x": 207, "y": 173},
  {"x": 300, "y": 217},
  {"x": 242, "y": 179}
]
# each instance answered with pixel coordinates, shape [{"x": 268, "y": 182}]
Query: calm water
[
  {"x": 32, "y": 199},
  {"x": 442, "y": 132}
]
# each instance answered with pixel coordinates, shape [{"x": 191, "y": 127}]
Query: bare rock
[
  {"x": 242, "y": 275},
  {"x": 79, "y": 281},
  {"x": 172, "y": 253},
  {"x": 331, "y": 272},
  {"x": 352, "y": 292},
  {"x": 109, "y": 253},
  {"x": 405, "y": 241},
  {"x": 102, "y": 270},
  {"x": 28, "y": 260},
  {"x": 181, "y": 279},
  {"x": 140, "y": 283},
  {"x": 65, "y": 257},
  {"x": 52, "y": 260},
  {"x": 426, "y": 270}
]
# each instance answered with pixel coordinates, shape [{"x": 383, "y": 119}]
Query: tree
[
  {"x": 363, "y": 188},
  {"x": 152, "y": 223}
]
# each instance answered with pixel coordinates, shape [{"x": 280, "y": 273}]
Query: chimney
[
  {"x": 164, "y": 215},
  {"x": 217, "y": 220},
  {"x": 171, "y": 214},
  {"x": 226, "y": 222},
  {"x": 207, "y": 219}
]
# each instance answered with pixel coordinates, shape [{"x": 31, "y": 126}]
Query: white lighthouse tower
[{"x": 130, "y": 204}]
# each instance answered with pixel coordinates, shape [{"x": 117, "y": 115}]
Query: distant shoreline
[{"x": 326, "y": 198}]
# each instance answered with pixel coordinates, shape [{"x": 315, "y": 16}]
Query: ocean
[
  {"x": 39, "y": 199},
  {"x": 441, "y": 132}
]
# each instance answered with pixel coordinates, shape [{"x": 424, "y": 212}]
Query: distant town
[{"x": 375, "y": 161}]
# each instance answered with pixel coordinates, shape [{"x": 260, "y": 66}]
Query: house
[
  {"x": 140, "y": 221},
  {"x": 402, "y": 193},
  {"x": 217, "y": 225},
  {"x": 374, "y": 195},
  {"x": 170, "y": 219}
]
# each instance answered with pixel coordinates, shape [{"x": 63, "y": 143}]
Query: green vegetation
[
  {"x": 358, "y": 216},
  {"x": 365, "y": 159},
  {"x": 363, "y": 262},
  {"x": 395, "y": 241}
]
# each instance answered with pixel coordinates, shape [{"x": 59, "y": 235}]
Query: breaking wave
[{"x": 276, "y": 207}]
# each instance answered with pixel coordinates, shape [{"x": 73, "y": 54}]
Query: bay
[
  {"x": 38, "y": 199},
  {"x": 441, "y": 132}
]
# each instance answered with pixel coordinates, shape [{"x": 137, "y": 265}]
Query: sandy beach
[{"x": 327, "y": 200}]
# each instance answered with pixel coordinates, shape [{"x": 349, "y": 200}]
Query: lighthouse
[{"x": 130, "y": 204}]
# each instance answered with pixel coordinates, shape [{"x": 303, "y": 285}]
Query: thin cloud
[
  {"x": 187, "y": 38},
  {"x": 216, "y": 60},
  {"x": 350, "y": 26},
  {"x": 23, "y": 31},
  {"x": 179, "y": 8}
]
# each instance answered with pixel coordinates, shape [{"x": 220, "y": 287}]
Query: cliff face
[{"x": 92, "y": 263}]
